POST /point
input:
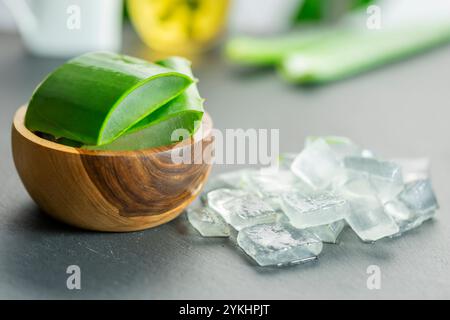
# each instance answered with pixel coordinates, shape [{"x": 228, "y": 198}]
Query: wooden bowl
[{"x": 110, "y": 190}]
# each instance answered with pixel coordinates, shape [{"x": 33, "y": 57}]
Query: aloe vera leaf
[
  {"x": 189, "y": 100},
  {"x": 98, "y": 96},
  {"x": 356, "y": 51},
  {"x": 183, "y": 112},
  {"x": 266, "y": 51},
  {"x": 156, "y": 135}
]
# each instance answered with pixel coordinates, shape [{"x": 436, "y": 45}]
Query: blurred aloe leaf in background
[{"x": 319, "y": 53}]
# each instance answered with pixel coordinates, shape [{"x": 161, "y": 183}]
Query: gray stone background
[{"x": 398, "y": 111}]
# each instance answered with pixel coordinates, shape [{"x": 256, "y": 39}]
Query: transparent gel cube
[
  {"x": 385, "y": 177},
  {"x": 414, "y": 205},
  {"x": 414, "y": 169},
  {"x": 241, "y": 208},
  {"x": 270, "y": 185},
  {"x": 341, "y": 146},
  {"x": 329, "y": 233},
  {"x": 279, "y": 244},
  {"x": 367, "y": 216},
  {"x": 207, "y": 222},
  {"x": 317, "y": 164},
  {"x": 311, "y": 210},
  {"x": 419, "y": 196}
]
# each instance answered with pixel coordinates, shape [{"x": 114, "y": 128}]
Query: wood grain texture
[{"x": 110, "y": 190}]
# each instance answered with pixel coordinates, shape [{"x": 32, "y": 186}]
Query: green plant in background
[
  {"x": 97, "y": 98},
  {"x": 320, "y": 10}
]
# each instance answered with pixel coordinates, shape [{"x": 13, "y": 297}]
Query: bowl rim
[{"x": 19, "y": 126}]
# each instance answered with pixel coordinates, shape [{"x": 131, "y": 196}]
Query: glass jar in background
[{"x": 178, "y": 26}]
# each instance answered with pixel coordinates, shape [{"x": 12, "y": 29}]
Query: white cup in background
[
  {"x": 262, "y": 16},
  {"x": 67, "y": 28}
]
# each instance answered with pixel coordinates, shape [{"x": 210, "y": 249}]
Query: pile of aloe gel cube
[{"x": 283, "y": 215}]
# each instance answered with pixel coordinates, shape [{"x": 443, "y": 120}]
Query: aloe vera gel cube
[
  {"x": 305, "y": 211},
  {"x": 207, "y": 222},
  {"x": 366, "y": 214},
  {"x": 272, "y": 184},
  {"x": 329, "y": 233},
  {"x": 279, "y": 244},
  {"x": 384, "y": 176},
  {"x": 317, "y": 164},
  {"x": 241, "y": 208},
  {"x": 341, "y": 146},
  {"x": 414, "y": 169},
  {"x": 414, "y": 205},
  {"x": 284, "y": 214}
]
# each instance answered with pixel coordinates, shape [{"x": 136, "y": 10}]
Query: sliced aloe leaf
[
  {"x": 189, "y": 100},
  {"x": 95, "y": 98},
  {"x": 356, "y": 51},
  {"x": 266, "y": 51},
  {"x": 183, "y": 112},
  {"x": 156, "y": 135},
  {"x": 270, "y": 50}
]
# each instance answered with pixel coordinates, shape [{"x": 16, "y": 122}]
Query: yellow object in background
[{"x": 178, "y": 26}]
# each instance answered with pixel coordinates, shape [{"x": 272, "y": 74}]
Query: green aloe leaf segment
[
  {"x": 157, "y": 129},
  {"x": 101, "y": 98}
]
